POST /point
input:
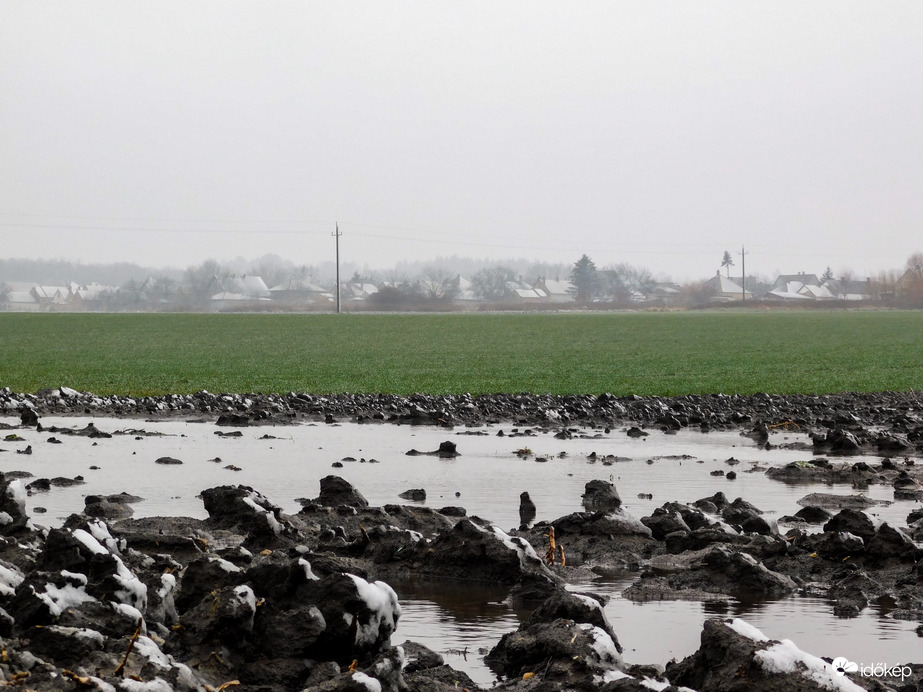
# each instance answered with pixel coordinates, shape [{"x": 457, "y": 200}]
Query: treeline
[{"x": 60, "y": 272}]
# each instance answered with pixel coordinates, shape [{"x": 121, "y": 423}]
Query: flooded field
[{"x": 286, "y": 463}]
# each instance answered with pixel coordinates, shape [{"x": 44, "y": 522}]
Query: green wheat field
[{"x": 731, "y": 352}]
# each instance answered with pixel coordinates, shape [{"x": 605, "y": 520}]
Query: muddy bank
[{"x": 847, "y": 423}]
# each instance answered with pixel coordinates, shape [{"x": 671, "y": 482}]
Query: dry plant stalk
[{"x": 131, "y": 645}]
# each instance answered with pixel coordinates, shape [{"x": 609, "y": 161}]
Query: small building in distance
[{"x": 723, "y": 289}]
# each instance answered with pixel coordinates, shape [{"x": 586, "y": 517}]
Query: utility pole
[
  {"x": 743, "y": 274},
  {"x": 337, "y": 235}
]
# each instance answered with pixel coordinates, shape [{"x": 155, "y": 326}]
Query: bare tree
[
  {"x": 621, "y": 281},
  {"x": 698, "y": 293},
  {"x": 910, "y": 285},
  {"x": 437, "y": 284},
  {"x": 915, "y": 264},
  {"x": 845, "y": 278},
  {"x": 490, "y": 283},
  {"x": 204, "y": 281},
  {"x": 163, "y": 287},
  {"x": 273, "y": 271}
]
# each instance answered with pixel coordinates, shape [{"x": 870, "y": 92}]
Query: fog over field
[{"x": 655, "y": 134}]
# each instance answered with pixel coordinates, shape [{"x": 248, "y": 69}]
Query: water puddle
[{"x": 461, "y": 621}]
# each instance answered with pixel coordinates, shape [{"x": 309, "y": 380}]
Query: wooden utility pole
[
  {"x": 743, "y": 274},
  {"x": 337, "y": 235}
]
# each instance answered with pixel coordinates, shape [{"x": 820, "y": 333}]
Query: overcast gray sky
[{"x": 655, "y": 133}]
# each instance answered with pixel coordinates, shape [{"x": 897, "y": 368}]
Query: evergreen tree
[
  {"x": 585, "y": 280},
  {"x": 728, "y": 262}
]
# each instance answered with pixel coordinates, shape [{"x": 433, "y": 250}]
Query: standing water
[{"x": 285, "y": 463}]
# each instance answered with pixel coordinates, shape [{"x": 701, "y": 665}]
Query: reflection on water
[
  {"x": 671, "y": 628},
  {"x": 461, "y": 621}
]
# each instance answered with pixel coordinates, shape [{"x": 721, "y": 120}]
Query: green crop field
[{"x": 621, "y": 353}]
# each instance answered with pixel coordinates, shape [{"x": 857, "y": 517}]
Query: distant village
[{"x": 491, "y": 288}]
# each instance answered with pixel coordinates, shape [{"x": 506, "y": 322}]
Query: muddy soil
[{"x": 263, "y": 600}]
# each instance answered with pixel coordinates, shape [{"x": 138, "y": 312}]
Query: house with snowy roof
[
  {"x": 239, "y": 292},
  {"x": 555, "y": 290},
  {"x": 298, "y": 291},
  {"x": 723, "y": 289},
  {"x": 17, "y": 296}
]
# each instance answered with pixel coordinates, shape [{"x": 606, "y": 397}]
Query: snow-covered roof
[
  {"x": 555, "y": 287},
  {"x": 530, "y": 293},
  {"x": 250, "y": 286},
  {"x": 53, "y": 293},
  {"x": 228, "y": 295},
  {"x": 817, "y": 292},
  {"x": 782, "y": 294},
  {"x": 723, "y": 285},
  {"x": 302, "y": 285},
  {"x": 20, "y": 297},
  {"x": 93, "y": 290}
]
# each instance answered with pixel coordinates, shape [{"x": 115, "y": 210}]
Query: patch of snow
[
  {"x": 610, "y": 676},
  {"x": 745, "y": 629},
  {"x": 167, "y": 585},
  {"x": 524, "y": 548},
  {"x": 267, "y": 514},
  {"x": 847, "y": 535},
  {"x": 603, "y": 646},
  {"x": 718, "y": 522},
  {"x": 371, "y": 684},
  {"x": 146, "y": 647},
  {"x": 387, "y": 668},
  {"x": 79, "y": 633},
  {"x": 102, "y": 685},
  {"x": 167, "y": 603},
  {"x": 785, "y": 657},
  {"x": 89, "y": 542},
  {"x": 309, "y": 575},
  {"x": 5, "y": 519},
  {"x": 247, "y": 599},
  {"x": 133, "y": 591},
  {"x": 223, "y": 564},
  {"x": 749, "y": 559},
  {"x": 155, "y": 685},
  {"x": 595, "y": 605},
  {"x": 655, "y": 685},
  {"x": 60, "y": 598},
  {"x": 131, "y": 613},
  {"x": 10, "y": 578},
  {"x": 381, "y": 599},
  {"x": 101, "y": 533}
]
